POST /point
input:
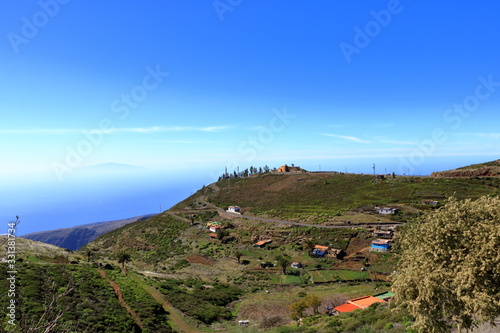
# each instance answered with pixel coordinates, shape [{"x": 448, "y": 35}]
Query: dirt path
[
  {"x": 236, "y": 215},
  {"x": 175, "y": 315},
  {"x": 355, "y": 253},
  {"x": 118, "y": 293}
]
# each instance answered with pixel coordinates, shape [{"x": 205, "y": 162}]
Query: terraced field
[{"x": 322, "y": 276}]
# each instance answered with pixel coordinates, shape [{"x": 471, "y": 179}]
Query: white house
[
  {"x": 387, "y": 210},
  {"x": 215, "y": 228},
  {"x": 233, "y": 209}
]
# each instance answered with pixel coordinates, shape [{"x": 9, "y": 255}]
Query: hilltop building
[{"x": 292, "y": 169}]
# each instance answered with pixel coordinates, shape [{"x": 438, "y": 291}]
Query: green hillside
[
  {"x": 322, "y": 196},
  {"x": 174, "y": 253},
  {"x": 171, "y": 273},
  {"x": 488, "y": 169}
]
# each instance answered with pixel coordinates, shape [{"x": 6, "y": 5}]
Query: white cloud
[
  {"x": 483, "y": 135},
  {"x": 40, "y": 131},
  {"x": 345, "y": 137},
  {"x": 397, "y": 142},
  {"x": 184, "y": 141},
  {"x": 196, "y": 129},
  {"x": 151, "y": 129}
]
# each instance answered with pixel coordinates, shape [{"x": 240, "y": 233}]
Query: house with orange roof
[
  {"x": 292, "y": 169},
  {"x": 365, "y": 301},
  {"x": 263, "y": 243},
  {"x": 320, "y": 250},
  {"x": 358, "y": 303},
  {"x": 346, "y": 307}
]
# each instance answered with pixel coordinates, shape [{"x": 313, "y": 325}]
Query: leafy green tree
[
  {"x": 283, "y": 261},
  {"x": 89, "y": 254},
  {"x": 238, "y": 255},
  {"x": 309, "y": 245},
  {"x": 222, "y": 233},
  {"x": 123, "y": 257},
  {"x": 449, "y": 272},
  {"x": 297, "y": 310},
  {"x": 314, "y": 302}
]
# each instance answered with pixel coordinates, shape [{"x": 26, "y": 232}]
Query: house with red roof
[
  {"x": 358, "y": 303},
  {"x": 263, "y": 243}
]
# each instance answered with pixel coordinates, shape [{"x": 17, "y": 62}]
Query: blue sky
[{"x": 192, "y": 86}]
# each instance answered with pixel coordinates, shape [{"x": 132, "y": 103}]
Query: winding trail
[
  {"x": 236, "y": 215},
  {"x": 119, "y": 294}
]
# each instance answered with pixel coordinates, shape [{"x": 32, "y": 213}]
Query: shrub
[{"x": 271, "y": 322}]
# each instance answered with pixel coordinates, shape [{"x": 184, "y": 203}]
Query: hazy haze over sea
[{"x": 86, "y": 197}]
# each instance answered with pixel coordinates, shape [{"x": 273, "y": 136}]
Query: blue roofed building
[{"x": 381, "y": 245}]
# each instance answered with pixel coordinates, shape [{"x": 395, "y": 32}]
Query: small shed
[
  {"x": 320, "y": 250},
  {"x": 336, "y": 253},
  {"x": 215, "y": 228},
  {"x": 381, "y": 245},
  {"x": 263, "y": 243},
  {"x": 382, "y": 233}
]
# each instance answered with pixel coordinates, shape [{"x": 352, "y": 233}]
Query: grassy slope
[
  {"x": 38, "y": 251},
  {"x": 326, "y": 195},
  {"x": 91, "y": 306},
  {"x": 491, "y": 168},
  {"x": 146, "y": 241}
]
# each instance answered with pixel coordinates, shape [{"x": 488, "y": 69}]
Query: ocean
[{"x": 43, "y": 203}]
